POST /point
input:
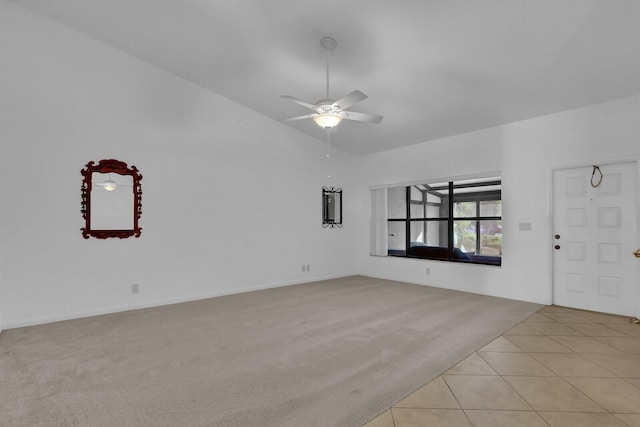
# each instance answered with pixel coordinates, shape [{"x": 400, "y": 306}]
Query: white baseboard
[{"x": 157, "y": 303}]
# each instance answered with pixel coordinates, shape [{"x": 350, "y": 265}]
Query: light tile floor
[{"x": 559, "y": 367}]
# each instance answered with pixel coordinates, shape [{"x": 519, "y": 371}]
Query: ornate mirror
[
  {"x": 331, "y": 207},
  {"x": 111, "y": 200}
]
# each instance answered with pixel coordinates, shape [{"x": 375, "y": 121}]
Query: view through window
[{"x": 455, "y": 221}]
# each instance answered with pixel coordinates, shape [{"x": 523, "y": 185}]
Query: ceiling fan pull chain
[{"x": 328, "y": 153}]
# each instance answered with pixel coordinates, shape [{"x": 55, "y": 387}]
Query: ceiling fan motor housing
[{"x": 327, "y": 105}]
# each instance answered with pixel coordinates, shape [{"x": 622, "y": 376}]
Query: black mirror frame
[
  {"x": 326, "y": 221},
  {"x": 121, "y": 168}
]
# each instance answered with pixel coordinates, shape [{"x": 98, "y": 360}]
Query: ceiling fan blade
[
  {"x": 308, "y": 116},
  {"x": 350, "y": 99},
  {"x": 300, "y": 101},
  {"x": 362, "y": 117}
]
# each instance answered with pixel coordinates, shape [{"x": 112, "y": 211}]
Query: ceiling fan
[
  {"x": 329, "y": 112},
  {"x": 110, "y": 185}
]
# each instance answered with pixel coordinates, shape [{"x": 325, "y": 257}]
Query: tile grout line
[
  {"x": 454, "y": 395},
  {"x": 582, "y": 355},
  {"x": 393, "y": 419},
  {"x": 565, "y": 379}
]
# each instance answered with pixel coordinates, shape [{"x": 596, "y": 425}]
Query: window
[{"x": 453, "y": 221}]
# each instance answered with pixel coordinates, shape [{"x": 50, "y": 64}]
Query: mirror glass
[
  {"x": 111, "y": 200},
  {"x": 331, "y": 207}
]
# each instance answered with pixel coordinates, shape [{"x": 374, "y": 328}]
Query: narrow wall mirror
[
  {"x": 111, "y": 200},
  {"x": 331, "y": 207}
]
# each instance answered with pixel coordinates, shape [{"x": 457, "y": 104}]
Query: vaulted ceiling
[{"x": 432, "y": 68}]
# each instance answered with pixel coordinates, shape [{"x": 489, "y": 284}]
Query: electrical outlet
[
  {"x": 308, "y": 268},
  {"x": 427, "y": 271},
  {"x": 135, "y": 288},
  {"x": 303, "y": 268}
]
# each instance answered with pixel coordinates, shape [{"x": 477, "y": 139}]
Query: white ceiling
[{"x": 432, "y": 68}]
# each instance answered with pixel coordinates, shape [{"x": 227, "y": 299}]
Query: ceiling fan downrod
[{"x": 328, "y": 44}]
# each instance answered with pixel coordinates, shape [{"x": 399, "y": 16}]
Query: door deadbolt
[
  {"x": 557, "y": 247},
  {"x": 557, "y": 236}
]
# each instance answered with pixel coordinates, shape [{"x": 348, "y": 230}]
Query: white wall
[
  {"x": 231, "y": 199},
  {"x": 526, "y": 152}
]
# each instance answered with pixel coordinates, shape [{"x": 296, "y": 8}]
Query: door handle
[
  {"x": 556, "y": 247},
  {"x": 637, "y": 253}
]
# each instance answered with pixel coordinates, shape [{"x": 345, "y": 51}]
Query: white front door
[{"x": 594, "y": 237}]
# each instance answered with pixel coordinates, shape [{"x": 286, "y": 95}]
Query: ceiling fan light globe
[
  {"x": 109, "y": 185},
  {"x": 327, "y": 120}
]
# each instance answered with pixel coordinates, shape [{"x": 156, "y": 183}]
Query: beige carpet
[{"x": 330, "y": 353}]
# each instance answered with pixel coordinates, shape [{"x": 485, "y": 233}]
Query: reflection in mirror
[
  {"x": 331, "y": 207},
  {"x": 111, "y": 200}
]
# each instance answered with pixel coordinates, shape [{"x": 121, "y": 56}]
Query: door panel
[{"x": 595, "y": 234}]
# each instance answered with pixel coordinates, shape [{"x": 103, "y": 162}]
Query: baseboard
[
  {"x": 158, "y": 303},
  {"x": 451, "y": 288}
]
